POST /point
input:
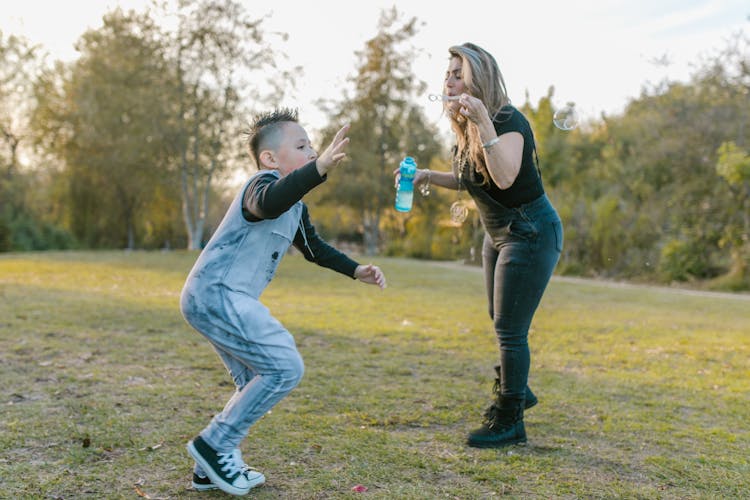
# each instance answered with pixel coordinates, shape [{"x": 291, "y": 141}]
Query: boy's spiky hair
[{"x": 266, "y": 126}]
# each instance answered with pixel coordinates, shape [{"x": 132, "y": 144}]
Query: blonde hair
[{"x": 483, "y": 80}]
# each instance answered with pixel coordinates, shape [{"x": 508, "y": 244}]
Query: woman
[{"x": 494, "y": 161}]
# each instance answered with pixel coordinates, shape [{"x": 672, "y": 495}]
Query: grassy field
[{"x": 644, "y": 393}]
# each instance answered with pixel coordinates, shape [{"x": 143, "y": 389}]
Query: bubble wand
[{"x": 443, "y": 97}]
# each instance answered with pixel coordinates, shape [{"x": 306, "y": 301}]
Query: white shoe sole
[{"x": 258, "y": 481}]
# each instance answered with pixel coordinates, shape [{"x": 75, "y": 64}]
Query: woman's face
[{"x": 454, "y": 82}]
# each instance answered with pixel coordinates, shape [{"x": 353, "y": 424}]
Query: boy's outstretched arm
[{"x": 371, "y": 275}]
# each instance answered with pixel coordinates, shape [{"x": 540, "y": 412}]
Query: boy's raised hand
[
  {"x": 334, "y": 153},
  {"x": 371, "y": 275}
]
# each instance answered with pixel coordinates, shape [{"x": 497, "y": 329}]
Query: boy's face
[{"x": 294, "y": 149}]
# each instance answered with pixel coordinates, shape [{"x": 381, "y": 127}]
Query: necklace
[{"x": 459, "y": 211}]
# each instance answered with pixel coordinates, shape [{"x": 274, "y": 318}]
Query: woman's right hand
[{"x": 420, "y": 176}]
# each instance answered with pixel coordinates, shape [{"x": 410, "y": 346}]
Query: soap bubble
[{"x": 566, "y": 118}]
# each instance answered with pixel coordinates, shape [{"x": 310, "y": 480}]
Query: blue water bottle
[{"x": 405, "y": 189}]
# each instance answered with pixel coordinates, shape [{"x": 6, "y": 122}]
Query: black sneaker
[
  {"x": 203, "y": 483},
  {"x": 226, "y": 471}
]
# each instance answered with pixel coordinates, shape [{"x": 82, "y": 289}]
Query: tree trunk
[
  {"x": 131, "y": 236},
  {"x": 186, "y": 205},
  {"x": 371, "y": 236}
]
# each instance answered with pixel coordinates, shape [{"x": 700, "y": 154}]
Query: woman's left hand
[{"x": 472, "y": 108}]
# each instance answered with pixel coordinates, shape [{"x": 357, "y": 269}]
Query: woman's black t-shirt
[{"x": 528, "y": 184}]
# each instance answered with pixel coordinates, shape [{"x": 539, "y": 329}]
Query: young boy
[{"x": 220, "y": 298}]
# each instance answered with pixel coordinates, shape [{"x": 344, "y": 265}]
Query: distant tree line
[{"x": 133, "y": 145}]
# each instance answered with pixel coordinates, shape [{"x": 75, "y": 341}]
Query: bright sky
[{"x": 596, "y": 53}]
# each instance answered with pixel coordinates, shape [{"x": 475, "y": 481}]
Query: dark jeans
[{"x": 521, "y": 249}]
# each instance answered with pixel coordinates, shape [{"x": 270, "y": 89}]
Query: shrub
[{"x": 682, "y": 261}]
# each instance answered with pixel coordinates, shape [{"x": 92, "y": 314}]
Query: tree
[
  {"x": 25, "y": 222},
  {"x": 385, "y": 125},
  {"x": 17, "y": 66},
  {"x": 638, "y": 192},
  {"x": 730, "y": 74},
  {"x": 105, "y": 117},
  {"x": 734, "y": 166},
  {"x": 214, "y": 49},
  {"x": 149, "y": 114}
]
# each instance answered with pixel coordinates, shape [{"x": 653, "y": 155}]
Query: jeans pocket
[{"x": 523, "y": 229}]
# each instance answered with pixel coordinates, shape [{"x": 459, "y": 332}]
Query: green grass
[{"x": 644, "y": 392}]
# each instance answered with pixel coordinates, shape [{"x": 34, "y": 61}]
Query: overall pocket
[{"x": 277, "y": 245}]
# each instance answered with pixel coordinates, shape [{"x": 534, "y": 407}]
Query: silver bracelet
[
  {"x": 424, "y": 188},
  {"x": 491, "y": 143}
]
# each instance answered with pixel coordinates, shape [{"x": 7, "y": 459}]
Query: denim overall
[
  {"x": 220, "y": 300},
  {"x": 521, "y": 248}
]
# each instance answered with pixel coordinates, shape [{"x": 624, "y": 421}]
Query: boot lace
[
  {"x": 497, "y": 419},
  {"x": 490, "y": 416}
]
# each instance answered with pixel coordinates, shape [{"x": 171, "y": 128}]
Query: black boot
[
  {"x": 503, "y": 425},
  {"x": 530, "y": 401}
]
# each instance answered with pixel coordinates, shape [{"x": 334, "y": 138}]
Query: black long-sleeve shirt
[{"x": 268, "y": 196}]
